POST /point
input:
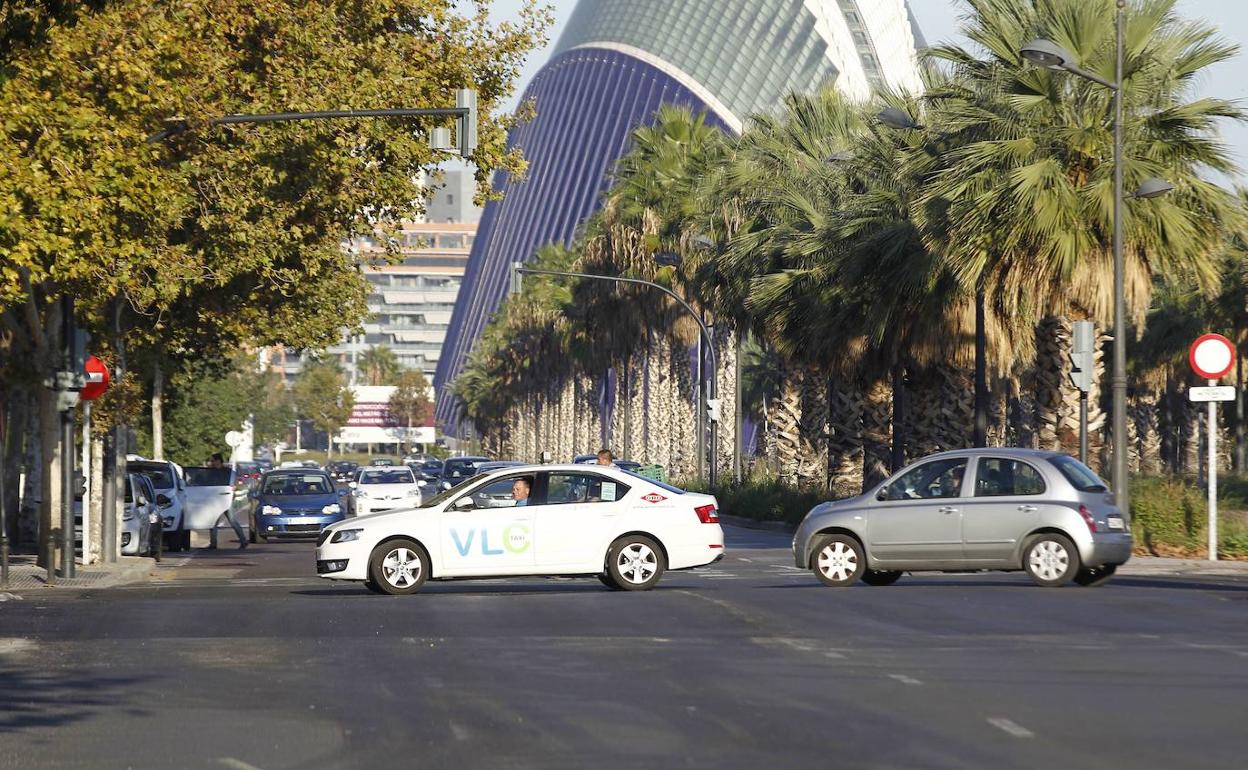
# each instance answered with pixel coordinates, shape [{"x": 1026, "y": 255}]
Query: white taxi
[{"x": 530, "y": 520}]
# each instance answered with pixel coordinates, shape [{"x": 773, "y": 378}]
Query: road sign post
[
  {"x": 1212, "y": 357},
  {"x": 1082, "y": 357}
]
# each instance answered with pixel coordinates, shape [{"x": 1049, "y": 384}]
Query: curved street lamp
[{"x": 1050, "y": 55}]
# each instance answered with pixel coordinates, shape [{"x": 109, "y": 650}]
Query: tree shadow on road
[{"x": 35, "y": 698}]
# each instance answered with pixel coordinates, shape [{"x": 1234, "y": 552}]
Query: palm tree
[
  {"x": 380, "y": 366},
  {"x": 1025, "y": 198}
]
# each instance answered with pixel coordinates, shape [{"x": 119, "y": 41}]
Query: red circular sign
[
  {"x": 1211, "y": 356},
  {"x": 97, "y": 379}
]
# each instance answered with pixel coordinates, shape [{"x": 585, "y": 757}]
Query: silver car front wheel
[
  {"x": 1051, "y": 560},
  {"x": 838, "y": 560}
]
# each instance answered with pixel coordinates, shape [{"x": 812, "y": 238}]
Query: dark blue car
[{"x": 295, "y": 502}]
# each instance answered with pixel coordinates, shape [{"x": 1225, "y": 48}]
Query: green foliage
[
  {"x": 766, "y": 499},
  {"x": 380, "y": 366},
  {"x": 204, "y": 402},
  {"x": 1169, "y": 517},
  {"x": 409, "y": 403},
  {"x": 321, "y": 394},
  {"x": 223, "y": 235}
]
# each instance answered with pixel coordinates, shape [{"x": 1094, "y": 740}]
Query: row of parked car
[{"x": 164, "y": 501}]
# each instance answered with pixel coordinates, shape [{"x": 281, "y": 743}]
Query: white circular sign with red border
[{"x": 1212, "y": 356}]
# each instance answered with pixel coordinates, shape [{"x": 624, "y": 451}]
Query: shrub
[
  {"x": 1169, "y": 517},
  {"x": 764, "y": 499}
]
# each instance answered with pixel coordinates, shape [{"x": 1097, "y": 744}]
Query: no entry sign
[
  {"x": 1212, "y": 356},
  {"x": 97, "y": 379}
]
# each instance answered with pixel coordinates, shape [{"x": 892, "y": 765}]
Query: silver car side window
[
  {"x": 930, "y": 481},
  {"x": 1003, "y": 477}
]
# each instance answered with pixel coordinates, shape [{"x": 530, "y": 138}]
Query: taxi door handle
[
  {"x": 948, "y": 509},
  {"x": 1027, "y": 508}
]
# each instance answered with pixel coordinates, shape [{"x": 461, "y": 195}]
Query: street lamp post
[
  {"x": 1050, "y": 55},
  {"x": 706, "y": 334}
]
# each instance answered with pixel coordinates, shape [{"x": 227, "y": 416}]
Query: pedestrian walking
[{"x": 217, "y": 461}]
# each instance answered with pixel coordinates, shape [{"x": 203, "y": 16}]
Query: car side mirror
[
  {"x": 351, "y": 484},
  {"x": 163, "y": 501},
  {"x": 464, "y": 503},
  {"x": 883, "y": 493}
]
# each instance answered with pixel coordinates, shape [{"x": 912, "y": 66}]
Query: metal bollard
[{"x": 49, "y": 558}]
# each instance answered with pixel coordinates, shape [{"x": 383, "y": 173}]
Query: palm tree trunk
[
  {"x": 785, "y": 418},
  {"x": 813, "y": 430},
  {"x": 845, "y": 439},
  {"x": 876, "y": 433}
]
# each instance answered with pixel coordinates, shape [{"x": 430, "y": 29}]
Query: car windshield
[
  {"x": 207, "y": 477},
  {"x": 296, "y": 484},
  {"x": 432, "y": 465},
  {"x": 396, "y": 476},
  {"x": 441, "y": 497},
  {"x": 161, "y": 476},
  {"x": 459, "y": 468},
  {"x": 1080, "y": 476},
  {"x": 659, "y": 484},
  {"x": 248, "y": 468}
]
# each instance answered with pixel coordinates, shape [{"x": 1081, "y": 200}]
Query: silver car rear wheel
[
  {"x": 838, "y": 560},
  {"x": 1051, "y": 560}
]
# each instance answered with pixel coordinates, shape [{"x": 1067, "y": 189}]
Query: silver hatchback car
[{"x": 971, "y": 509}]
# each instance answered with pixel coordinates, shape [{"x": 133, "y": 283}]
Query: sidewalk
[
  {"x": 1138, "y": 565},
  {"x": 25, "y": 575}
]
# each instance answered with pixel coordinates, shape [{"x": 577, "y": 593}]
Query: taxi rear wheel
[
  {"x": 399, "y": 566},
  {"x": 635, "y": 563}
]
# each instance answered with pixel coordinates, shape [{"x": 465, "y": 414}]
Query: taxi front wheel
[
  {"x": 635, "y": 563},
  {"x": 399, "y": 566}
]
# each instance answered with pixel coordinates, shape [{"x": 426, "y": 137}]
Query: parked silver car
[{"x": 972, "y": 509}]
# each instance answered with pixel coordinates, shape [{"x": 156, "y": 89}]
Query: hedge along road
[{"x": 750, "y": 661}]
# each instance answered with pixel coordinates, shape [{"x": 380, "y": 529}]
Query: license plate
[{"x": 1115, "y": 522}]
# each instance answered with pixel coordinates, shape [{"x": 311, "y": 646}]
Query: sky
[{"x": 938, "y": 19}]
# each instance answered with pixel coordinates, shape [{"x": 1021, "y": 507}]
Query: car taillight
[
  {"x": 1087, "y": 518},
  {"x": 707, "y": 514}
]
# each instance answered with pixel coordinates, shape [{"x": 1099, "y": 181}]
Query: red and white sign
[
  {"x": 1212, "y": 356},
  {"x": 97, "y": 379},
  {"x": 653, "y": 497}
]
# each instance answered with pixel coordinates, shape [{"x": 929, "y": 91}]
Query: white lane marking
[
  {"x": 904, "y": 679},
  {"x": 16, "y": 645},
  {"x": 8, "y": 597},
  {"x": 1011, "y": 727},
  {"x": 237, "y": 764},
  {"x": 742, "y": 558}
]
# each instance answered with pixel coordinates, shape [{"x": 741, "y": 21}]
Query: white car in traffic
[
  {"x": 384, "y": 488},
  {"x": 530, "y": 520}
]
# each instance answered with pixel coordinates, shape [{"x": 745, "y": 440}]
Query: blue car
[{"x": 295, "y": 502}]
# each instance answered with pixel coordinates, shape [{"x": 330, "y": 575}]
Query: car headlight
[
  {"x": 422, "y": 483},
  {"x": 332, "y": 508},
  {"x": 413, "y": 493},
  {"x": 360, "y": 493},
  {"x": 271, "y": 510},
  {"x": 345, "y": 535}
]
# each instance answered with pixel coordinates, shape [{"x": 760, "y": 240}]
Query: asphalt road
[{"x": 243, "y": 659}]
